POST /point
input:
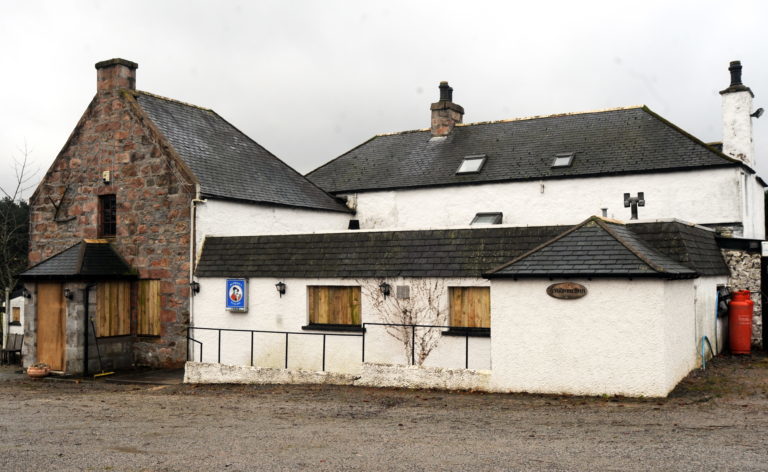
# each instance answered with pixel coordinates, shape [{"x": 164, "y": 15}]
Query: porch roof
[{"x": 88, "y": 258}]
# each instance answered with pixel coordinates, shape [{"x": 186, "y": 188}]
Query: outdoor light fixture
[
  {"x": 280, "y": 288},
  {"x": 26, "y": 293},
  {"x": 68, "y": 294},
  {"x": 195, "y": 286},
  {"x": 385, "y": 289}
]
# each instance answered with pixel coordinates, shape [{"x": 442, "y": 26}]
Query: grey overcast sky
[{"x": 311, "y": 79}]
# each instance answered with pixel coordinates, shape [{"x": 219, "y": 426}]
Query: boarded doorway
[{"x": 50, "y": 325}]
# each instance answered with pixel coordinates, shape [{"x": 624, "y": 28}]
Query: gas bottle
[{"x": 740, "y": 322}]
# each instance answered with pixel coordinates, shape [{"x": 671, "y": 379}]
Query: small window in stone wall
[{"x": 107, "y": 216}]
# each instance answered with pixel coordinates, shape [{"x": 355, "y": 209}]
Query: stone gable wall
[{"x": 153, "y": 196}]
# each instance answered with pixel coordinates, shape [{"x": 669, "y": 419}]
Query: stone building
[{"x": 115, "y": 221}]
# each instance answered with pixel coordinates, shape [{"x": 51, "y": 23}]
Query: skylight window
[
  {"x": 563, "y": 159},
  {"x": 472, "y": 164},
  {"x": 487, "y": 219}
]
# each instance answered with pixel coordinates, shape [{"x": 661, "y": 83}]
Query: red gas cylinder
[{"x": 740, "y": 322}]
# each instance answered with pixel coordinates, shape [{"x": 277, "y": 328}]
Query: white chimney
[{"x": 737, "y": 118}]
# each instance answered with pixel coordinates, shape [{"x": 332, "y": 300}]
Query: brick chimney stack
[
  {"x": 445, "y": 113},
  {"x": 115, "y": 74},
  {"x": 737, "y": 118}
]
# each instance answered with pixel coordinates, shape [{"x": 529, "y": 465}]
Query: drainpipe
[
  {"x": 192, "y": 253},
  {"x": 86, "y": 304}
]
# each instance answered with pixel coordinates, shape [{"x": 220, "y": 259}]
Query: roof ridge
[
  {"x": 543, "y": 245},
  {"x": 160, "y": 97},
  {"x": 631, "y": 247},
  {"x": 523, "y": 118}
]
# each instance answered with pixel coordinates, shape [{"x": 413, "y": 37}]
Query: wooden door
[{"x": 50, "y": 325}]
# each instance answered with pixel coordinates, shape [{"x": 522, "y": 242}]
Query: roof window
[
  {"x": 563, "y": 159},
  {"x": 487, "y": 218},
  {"x": 472, "y": 164}
]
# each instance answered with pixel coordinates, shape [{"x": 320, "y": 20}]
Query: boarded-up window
[
  {"x": 470, "y": 307},
  {"x": 334, "y": 305},
  {"x": 16, "y": 314},
  {"x": 113, "y": 308},
  {"x": 148, "y": 323}
]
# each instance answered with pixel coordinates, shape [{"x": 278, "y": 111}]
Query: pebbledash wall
[
  {"x": 17, "y": 302},
  {"x": 630, "y": 337},
  {"x": 635, "y": 338},
  {"x": 268, "y": 311},
  {"x": 722, "y": 196},
  {"x": 153, "y": 223}
]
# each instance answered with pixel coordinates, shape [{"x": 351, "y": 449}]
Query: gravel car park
[{"x": 716, "y": 419}]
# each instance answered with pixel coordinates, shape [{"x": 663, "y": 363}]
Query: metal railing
[
  {"x": 467, "y": 334},
  {"x": 252, "y": 331}
]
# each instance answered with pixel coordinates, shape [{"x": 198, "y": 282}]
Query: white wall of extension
[
  {"x": 630, "y": 337},
  {"x": 703, "y": 196},
  {"x": 17, "y": 302},
  {"x": 228, "y": 218},
  {"x": 268, "y": 311}
]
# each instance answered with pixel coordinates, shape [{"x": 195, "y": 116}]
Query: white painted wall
[
  {"x": 228, "y": 218},
  {"x": 737, "y": 126},
  {"x": 703, "y": 196},
  {"x": 618, "y": 339},
  {"x": 753, "y": 206},
  {"x": 269, "y": 311},
  {"x": 16, "y": 302}
]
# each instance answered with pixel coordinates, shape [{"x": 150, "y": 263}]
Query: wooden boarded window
[
  {"x": 113, "y": 308},
  {"x": 470, "y": 307},
  {"x": 334, "y": 305},
  {"x": 16, "y": 314},
  {"x": 148, "y": 311}
]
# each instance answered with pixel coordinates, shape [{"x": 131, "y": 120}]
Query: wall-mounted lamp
[
  {"x": 68, "y": 294},
  {"x": 194, "y": 286},
  {"x": 385, "y": 288},
  {"x": 280, "y": 288},
  {"x": 26, "y": 293}
]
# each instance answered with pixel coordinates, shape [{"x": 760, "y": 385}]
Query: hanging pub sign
[
  {"x": 566, "y": 290},
  {"x": 237, "y": 295}
]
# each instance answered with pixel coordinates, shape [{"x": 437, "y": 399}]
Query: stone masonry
[
  {"x": 745, "y": 275},
  {"x": 153, "y": 191}
]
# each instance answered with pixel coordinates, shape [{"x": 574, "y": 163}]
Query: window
[
  {"x": 334, "y": 308},
  {"x": 472, "y": 164},
  {"x": 563, "y": 159},
  {"x": 148, "y": 310},
  {"x": 487, "y": 219},
  {"x": 113, "y": 309},
  {"x": 16, "y": 315},
  {"x": 470, "y": 310},
  {"x": 107, "y": 216}
]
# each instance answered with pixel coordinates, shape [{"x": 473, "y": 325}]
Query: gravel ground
[{"x": 715, "y": 420}]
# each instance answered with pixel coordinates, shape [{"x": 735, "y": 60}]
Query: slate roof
[
  {"x": 88, "y": 258},
  {"x": 692, "y": 245},
  {"x": 629, "y": 140},
  {"x": 595, "y": 248},
  {"x": 228, "y": 163},
  {"x": 443, "y": 253},
  {"x": 683, "y": 251}
]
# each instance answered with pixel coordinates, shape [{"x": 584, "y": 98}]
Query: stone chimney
[
  {"x": 445, "y": 113},
  {"x": 115, "y": 74},
  {"x": 737, "y": 118}
]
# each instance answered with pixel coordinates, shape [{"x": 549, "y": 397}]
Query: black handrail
[
  {"x": 252, "y": 331},
  {"x": 198, "y": 342}
]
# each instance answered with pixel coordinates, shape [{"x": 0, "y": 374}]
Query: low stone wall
[
  {"x": 745, "y": 275},
  {"x": 203, "y": 372},
  {"x": 372, "y": 375}
]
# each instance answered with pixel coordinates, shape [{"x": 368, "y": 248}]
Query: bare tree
[
  {"x": 425, "y": 305},
  {"x": 14, "y": 227}
]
